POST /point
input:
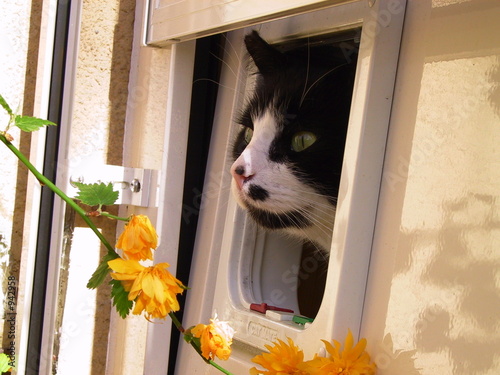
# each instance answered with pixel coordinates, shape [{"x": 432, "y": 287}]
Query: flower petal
[
  {"x": 138, "y": 238},
  {"x": 153, "y": 289},
  {"x": 120, "y": 265}
]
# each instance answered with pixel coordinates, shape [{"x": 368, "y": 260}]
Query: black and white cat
[{"x": 288, "y": 156}]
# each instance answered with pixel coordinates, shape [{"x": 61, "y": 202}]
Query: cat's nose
[{"x": 239, "y": 175}]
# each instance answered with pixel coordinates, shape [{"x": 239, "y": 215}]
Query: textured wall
[
  {"x": 14, "y": 31},
  {"x": 18, "y": 55},
  {"x": 142, "y": 148},
  {"x": 434, "y": 282},
  {"x": 97, "y": 129},
  {"x": 102, "y": 80},
  {"x": 118, "y": 118}
]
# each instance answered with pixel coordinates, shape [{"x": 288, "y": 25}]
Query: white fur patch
[{"x": 286, "y": 191}]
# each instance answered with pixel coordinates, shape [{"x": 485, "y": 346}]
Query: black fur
[{"x": 310, "y": 89}]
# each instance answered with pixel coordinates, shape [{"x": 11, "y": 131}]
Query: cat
[{"x": 288, "y": 154}]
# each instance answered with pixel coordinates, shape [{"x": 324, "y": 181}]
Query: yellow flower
[
  {"x": 282, "y": 359},
  {"x": 138, "y": 238},
  {"x": 349, "y": 361},
  {"x": 216, "y": 339},
  {"x": 154, "y": 289}
]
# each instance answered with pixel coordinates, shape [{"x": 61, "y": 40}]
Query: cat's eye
[
  {"x": 302, "y": 140},
  {"x": 248, "y": 135}
]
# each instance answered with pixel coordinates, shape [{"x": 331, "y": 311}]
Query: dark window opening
[{"x": 207, "y": 68}]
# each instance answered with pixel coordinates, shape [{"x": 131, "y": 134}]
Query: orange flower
[
  {"x": 154, "y": 289},
  {"x": 282, "y": 359},
  {"x": 350, "y": 361},
  {"x": 138, "y": 238},
  {"x": 216, "y": 339}
]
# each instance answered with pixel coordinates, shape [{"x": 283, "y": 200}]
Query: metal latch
[{"x": 136, "y": 187}]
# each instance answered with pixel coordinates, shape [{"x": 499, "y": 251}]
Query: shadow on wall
[
  {"x": 494, "y": 78},
  {"x": 392, "y": 361},
  {"x": 464, "y": 322},
  {"x": 119, "y": 79}
]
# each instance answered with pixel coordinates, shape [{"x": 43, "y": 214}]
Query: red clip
[{"x": 263, "y": 307}]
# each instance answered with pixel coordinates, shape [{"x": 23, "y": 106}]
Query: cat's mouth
[
  {"x": 257, "y": 201},
  {"x": 245, "y": 192},
  {"x": 249, "y": 194}
]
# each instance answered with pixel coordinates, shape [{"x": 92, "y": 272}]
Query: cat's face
[{"x": 288, "y": 155}]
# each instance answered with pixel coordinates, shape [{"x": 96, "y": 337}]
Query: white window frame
[
  {"x": 43, "y": 89},
  {"x": 212, "y": 267},
  {"x": 172, "y": 21}
]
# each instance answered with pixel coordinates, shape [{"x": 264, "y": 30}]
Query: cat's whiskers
[
  {"x": 304, "y": 92},
  {"x": 228, "y": 60},
  {"x": 325, "y": 208},
  {"x": 327, "y": 230},
  {"x": 311, "y": 217},
  {"x": 306, "y": 235},
  {"x": 229, "y": 55},
  {"x": 318, "y": 80},
  {"x": 318, "y": 221},
  {"x": 294, "y": 220},
  {"x": 214, "y": 81},
  {"x": 321, "y": 215},
  {"x": 233, "y": 50}
]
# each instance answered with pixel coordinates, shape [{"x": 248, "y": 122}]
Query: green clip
[{"x": 299, "y": 319}]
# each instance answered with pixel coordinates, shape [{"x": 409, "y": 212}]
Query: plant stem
[
  {"x": 178, "y": 325},
  {"x": 80, "y": 211},
  {"x": 106, "y": 214},
  {"x": 209, "y": 361},
  {"x": 221, "y": 369},
  {"x": 44, "y": 180},
  {"x": 176, "y": 322}
]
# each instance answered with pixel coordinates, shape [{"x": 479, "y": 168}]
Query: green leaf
[
  {"x": 120, "y": 298},
  {"x": 4, "y": 363},
  {"x": 189, "y": 338},
  {"x": 101, "y": 271},
  {"x": 4, "y": 104},
  {"x": 96, "y": 194},
  {"x": 30, "y": 124}
]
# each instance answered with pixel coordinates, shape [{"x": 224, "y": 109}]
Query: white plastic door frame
[{"x": 216, "y": 264}]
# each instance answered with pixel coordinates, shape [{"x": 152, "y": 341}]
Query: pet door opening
[{"x": 285, "y": 268}]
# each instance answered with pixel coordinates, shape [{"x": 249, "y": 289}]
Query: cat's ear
[{"x": 267, "y": 59}]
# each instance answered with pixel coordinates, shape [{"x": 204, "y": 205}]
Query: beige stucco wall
[
  {"x": 13, "y": 59},
  {"x": 113, "y": 105},
  {"x": 118, "y": 118},
  {"x": 434, "y": 284},
  {"x": 142, "y": 148},
  {"x": 18, "y": 62}
]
